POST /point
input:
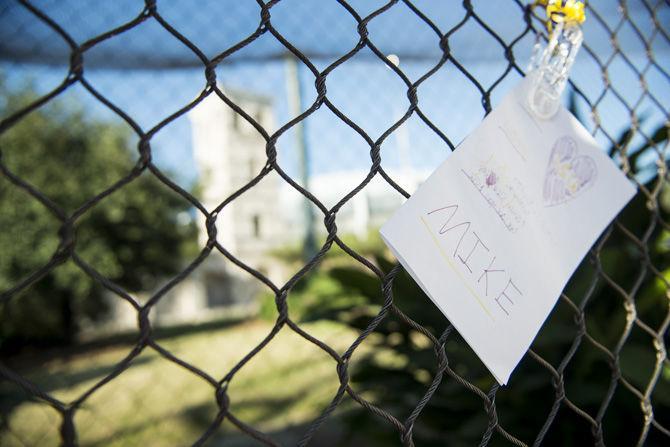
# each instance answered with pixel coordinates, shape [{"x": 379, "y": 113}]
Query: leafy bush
[{"x": 134, "y": 236}]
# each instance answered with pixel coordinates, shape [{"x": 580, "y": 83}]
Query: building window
[
  {"x": 218, "y": 291},
  {"x": 256, "y": 225}
]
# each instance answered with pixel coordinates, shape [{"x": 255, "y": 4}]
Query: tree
[{"x": 134, "y": 237}]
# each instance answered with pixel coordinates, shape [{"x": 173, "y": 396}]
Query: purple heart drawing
[{"x": 568, "y": 174}]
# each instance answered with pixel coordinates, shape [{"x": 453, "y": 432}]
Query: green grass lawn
[{"x": 157, "y": 403}]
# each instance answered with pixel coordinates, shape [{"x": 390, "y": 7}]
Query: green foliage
[
  {"x": 318, "y": 297},
  {"x": 134, "y": 236}
]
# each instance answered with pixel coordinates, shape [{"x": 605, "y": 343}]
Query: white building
[{"x": 230, "y": 153}]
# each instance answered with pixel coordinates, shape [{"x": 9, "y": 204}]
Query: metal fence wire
[{"x": 650, "y": 35}]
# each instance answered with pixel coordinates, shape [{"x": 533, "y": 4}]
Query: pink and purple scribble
[
  {"x": 491, "y": 179},
  {"x": 568, "y": 174}
]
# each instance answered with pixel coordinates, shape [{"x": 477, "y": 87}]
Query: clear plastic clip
[{"x": 549, "y": 68}]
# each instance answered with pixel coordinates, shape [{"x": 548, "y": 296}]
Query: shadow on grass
[
  {"x": 11, "y": 396},
  {"x": 36, "y": 357},
  {"x": 32, "y": 363},
  {"x": 198, "y": 418}
]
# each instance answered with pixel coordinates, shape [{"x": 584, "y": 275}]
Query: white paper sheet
[{"x": 494, "y": 234}]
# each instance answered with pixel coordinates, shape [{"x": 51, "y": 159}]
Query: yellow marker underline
[{"x": 451, "y": 264}]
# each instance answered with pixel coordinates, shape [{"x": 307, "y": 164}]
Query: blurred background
[{"x": 114, "y": 151}]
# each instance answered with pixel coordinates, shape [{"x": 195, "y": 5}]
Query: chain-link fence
[{"x": 598, "y": 372}]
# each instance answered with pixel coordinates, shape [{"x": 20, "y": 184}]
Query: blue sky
[{"x": 363, "y": 88}]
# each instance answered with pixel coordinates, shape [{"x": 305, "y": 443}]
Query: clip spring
[{"x": 549, "y": 69}]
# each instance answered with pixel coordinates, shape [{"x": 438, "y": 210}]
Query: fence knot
[
  {"x": 144, "y": 325},
  {"x": 363, "y": 31},
  {"x": 614, "y": 366},
  {"x": 67, "y": 430},
  {"x": 509, "y": 54},
  {"x": 144, "y": 148},
  {"x": 557, "y": 381},
  {"x": 412, "y": 96},
  {"x": 210, "y": 225},
  {"x": 149, "y": 7},
  {"x": 406, "y": 436},
  {"x": 490, "y": 406},
  {"x": 271, "y": 151},
  {"x": 597, "y": 432},
  {"x": 442, "y": 359},
  {"x": 375, "y": 155},
  {"x": 66, "y": 233},
  {"x": 343, "y": 371},
  {"x": 282, "y": 306},
  {"x": 467, "y": 4},
  {"x": 320, "y": 84},
  {"x": 486, "y": 102},
  {"x": 265, "y": 17},
  {"x": 329, "y": 221},
  {"x": 210, "y": 75},
  {"x": 76, "y": 64},
  {"x": 444, "y": 45},
  {"x": 222, "y": 399}
]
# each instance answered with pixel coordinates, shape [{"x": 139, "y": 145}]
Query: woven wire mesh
[{"x": 443, "y": 372}]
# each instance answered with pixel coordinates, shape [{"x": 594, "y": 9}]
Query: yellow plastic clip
[{"x": 562, "y": 11}]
